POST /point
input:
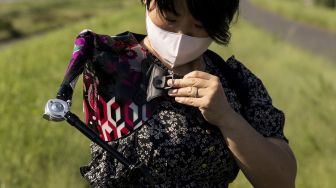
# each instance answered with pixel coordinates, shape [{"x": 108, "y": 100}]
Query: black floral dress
[{"x": 178, "y": 146}]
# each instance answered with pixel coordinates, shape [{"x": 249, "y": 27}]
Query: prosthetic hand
[{"x": 56, "y": 109}]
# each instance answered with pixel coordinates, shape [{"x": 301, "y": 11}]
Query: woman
[{"x": 217, "y": 118}]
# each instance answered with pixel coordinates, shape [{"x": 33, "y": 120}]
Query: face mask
[{"x": 174, "y": 48}]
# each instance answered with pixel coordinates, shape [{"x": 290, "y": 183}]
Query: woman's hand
[
  {"x": 204, "y": 91},
  {"x": 266, "y": 162}
]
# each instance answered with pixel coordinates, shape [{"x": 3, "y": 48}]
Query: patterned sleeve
[{"x": 257, "y": 106}]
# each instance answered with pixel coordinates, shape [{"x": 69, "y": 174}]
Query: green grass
[
  {"x": 37, "y": 153},
  {"x": 34, "y": 152},
  {"x": 27, "y": 17},
  {"x": 297, "y": 10}
]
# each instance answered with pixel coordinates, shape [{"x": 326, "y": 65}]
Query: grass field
[
  {"x": 297, "y": 10},
  {"x": 26, "y": 17},
  {"x": 37, "y": 153}
]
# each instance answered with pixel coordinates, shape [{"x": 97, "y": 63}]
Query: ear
[{"x": 151, "y": 5}]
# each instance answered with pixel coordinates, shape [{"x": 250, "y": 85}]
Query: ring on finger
[{"x": 195, "y": 95}]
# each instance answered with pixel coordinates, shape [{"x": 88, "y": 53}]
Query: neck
[{"x": 197, "y": 64}]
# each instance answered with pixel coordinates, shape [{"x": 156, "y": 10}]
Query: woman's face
[{"x": 182, "y": 23}]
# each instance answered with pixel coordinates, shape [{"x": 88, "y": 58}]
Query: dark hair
[{"x": 215, "y": 15}]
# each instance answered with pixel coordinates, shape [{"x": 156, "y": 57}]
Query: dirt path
[{"x": 310, "y": 38}]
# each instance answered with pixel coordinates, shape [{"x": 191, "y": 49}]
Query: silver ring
[{"x": 196, "y": 93}]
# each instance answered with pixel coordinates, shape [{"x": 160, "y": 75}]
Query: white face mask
[{"x": 175, "y": 48}]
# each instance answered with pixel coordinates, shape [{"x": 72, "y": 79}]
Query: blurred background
[{"x": 290, "y": 47}]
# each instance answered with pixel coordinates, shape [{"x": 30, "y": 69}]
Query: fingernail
[
  {"x": 170, "y": 82},
  {"x": 172, "y": 91}
]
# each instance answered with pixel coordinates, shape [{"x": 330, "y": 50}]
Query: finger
[
  {"x": 195, "y": 102},
  {"x": 199, "y": 74},
  {"x": 187, "y": 92},
  {"x": 186, "y": 82}
]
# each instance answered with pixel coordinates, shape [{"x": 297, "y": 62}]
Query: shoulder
[
  {"x": 230, "y": 67},
  {"x": 89, "y": 32},
  {"x": 89, "y": 45},
  {"x": 248, "y": 87},
  {"x": 233, "y": 70},
  {"x": 236, "y": 74},
  {"x": 257, "y": 107},
  {"x": 89, "y": 36}
]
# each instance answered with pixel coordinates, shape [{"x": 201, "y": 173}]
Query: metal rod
[
  {"x": 73, "y": 120},
  {"x": 78, "y": 124}
]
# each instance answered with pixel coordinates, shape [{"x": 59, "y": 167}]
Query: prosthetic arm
[{"x": 58, "y": 109}]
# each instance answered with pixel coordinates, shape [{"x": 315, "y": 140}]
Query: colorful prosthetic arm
[{"x": 82, "y": 45}]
